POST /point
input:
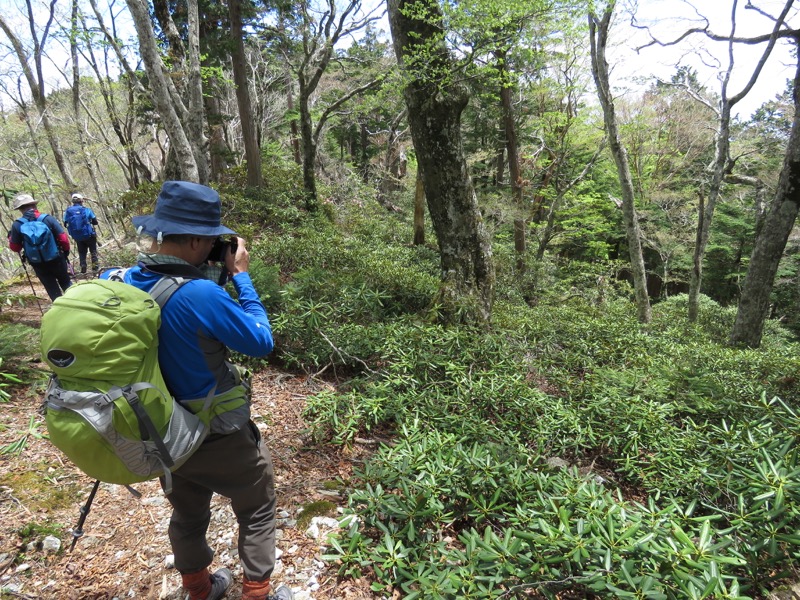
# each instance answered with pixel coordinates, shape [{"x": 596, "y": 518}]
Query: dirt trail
[{"x": 124, "y": 548}]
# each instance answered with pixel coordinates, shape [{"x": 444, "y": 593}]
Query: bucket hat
[
  {"x": 183, "y": 207},
  {"x": 77, "y": 197},
  {"x": 21, "y": 200}
]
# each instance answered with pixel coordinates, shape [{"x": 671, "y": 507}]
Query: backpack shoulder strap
[
  {"x": 165, "y": 287},
  {"x": 161, "y": 291},
  {"x": 42, "y": 218}
]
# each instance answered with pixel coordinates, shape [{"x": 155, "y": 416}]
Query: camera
[{"x": 220, "y": 248}]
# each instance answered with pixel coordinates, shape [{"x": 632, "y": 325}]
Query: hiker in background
[
  {"x": 80, "y": 222},
  {"x": 198, "y": 325},
  {"x": 43, "y": 244}
]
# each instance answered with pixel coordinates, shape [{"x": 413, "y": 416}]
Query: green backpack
[{"x": 107, "y": 406}]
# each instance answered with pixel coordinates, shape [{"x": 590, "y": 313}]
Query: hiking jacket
[
  {"x": 15, "y": 235},
  {"x": 198, "y": 325}
]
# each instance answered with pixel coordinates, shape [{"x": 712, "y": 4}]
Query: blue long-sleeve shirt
[{"x": 198, "y": 323}]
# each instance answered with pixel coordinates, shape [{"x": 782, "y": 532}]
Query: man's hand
[{"x": 239, "y": 262}]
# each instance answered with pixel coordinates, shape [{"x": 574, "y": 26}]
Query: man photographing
[{"x": 199, "y": 323}]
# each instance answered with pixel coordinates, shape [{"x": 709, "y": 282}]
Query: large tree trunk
[
  {"x": 185, "y": 162},
  {"x": 771, "y": 241},
  {"x": 252, "y": 152},
  {"x": 434, "y": 114},
  {"x": 308, "y": 146},
  {"x": 195, "y": 119},
  {"x": 598, "y": 31}
]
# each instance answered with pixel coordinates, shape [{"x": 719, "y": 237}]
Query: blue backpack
[
  {"x": 38, "y": 240},
  {"x": 78, "y": 224}
]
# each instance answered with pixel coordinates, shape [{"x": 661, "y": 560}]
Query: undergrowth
[{"x": 683, "y": 474}]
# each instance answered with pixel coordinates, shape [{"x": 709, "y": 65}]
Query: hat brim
[{"x": 152, "y": 226}]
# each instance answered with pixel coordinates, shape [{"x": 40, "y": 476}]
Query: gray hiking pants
[{"x": 237, "y": 466}]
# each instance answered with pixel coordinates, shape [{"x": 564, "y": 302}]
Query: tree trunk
[
  {"x": 195, "y": 119},
  {"x": 252, "y": 152},
  {"x": 500, "y": 165},
  {"x": 363, "y": 158},
  {"x": 76, "y": 99},
  {"x": 771, "y": 241},
  {"x": 434, "y": 113},
  {"x": 295, "y": 133},
  {"x": 294, "y": 139},
  {"x": 185, "y": 163},
  {"x": 705, "y": 216},
  {"x": 308, "y": 147},
  {"x": 217, "y": 144},
  {"x": 161, "y": 11},
  {"x": 512, "y": 148},
  {"x": 419, "y": 211},
  {"x": 598, "y": 31},
  {"x": 320, "y": 39}
]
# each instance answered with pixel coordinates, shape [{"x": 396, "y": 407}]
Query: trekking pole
[
  {"x": 41, "y": 310},
  {"x": 78, "y": 531}
]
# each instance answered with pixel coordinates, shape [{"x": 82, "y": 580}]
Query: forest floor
[{"x": 124, "y": 550}]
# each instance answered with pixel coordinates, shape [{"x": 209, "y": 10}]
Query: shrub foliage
[{"x": 568, "y": 448}]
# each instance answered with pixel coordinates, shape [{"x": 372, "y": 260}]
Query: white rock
[
  {"x": 169, "y": 561},
  {"x": 313, "y": 531},
  {"x": 154, "y": 501},
  {"x": 51, "y": 544},
  {"x": 23, "y": 567},
  {"x": 327, "y": 522}
]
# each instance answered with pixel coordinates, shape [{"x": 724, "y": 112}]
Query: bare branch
[{"x": 335, "y": 105}]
